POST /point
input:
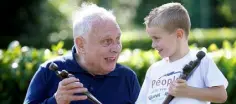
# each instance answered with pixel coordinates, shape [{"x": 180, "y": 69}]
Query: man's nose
[{"x": 116, "y": 48}]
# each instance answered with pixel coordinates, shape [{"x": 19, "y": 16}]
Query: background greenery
[
  {"x": 18, "y": 64},
  {"x": 40, "y": 23},
  {"x": 33, "y": 31}
]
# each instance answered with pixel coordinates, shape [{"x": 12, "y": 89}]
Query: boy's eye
[{"x": 155, "y": 38}]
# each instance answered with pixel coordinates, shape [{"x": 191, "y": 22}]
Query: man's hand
[
  {"x": 179, "y": 88},
  {"x": 67, "y": 89}
]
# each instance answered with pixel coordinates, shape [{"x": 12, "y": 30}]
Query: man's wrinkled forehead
[{"x": 105, "y": 27}]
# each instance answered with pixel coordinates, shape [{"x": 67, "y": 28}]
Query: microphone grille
[
  {"x": 200, "y": 55},
  {"x": 53, "y": 66}
]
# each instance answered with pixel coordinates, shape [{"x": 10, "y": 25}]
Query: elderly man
[{"x": 93, "y": 62}]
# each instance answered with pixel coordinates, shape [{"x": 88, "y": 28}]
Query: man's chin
[{"x": 110, "y": 69}]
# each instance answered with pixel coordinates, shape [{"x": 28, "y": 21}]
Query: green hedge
[
  {"x": 200, "y": 37},
  {"x": 138, "y": 38},
  {"x": 18, "y": 64}
]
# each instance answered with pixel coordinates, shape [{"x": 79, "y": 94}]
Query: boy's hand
[{"x": 179, "y": 88}]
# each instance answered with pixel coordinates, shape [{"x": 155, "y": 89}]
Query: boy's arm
[{"x": 216, "y": 94}]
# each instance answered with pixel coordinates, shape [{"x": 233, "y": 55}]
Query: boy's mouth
[{"x": 159, "y": 50}]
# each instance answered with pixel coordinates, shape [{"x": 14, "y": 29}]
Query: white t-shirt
[{"x": 159, "y": 76}]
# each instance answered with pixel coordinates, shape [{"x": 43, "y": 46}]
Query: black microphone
[
  {"x": 187, "y": 72},
  {"x": 64, "y": 74}
]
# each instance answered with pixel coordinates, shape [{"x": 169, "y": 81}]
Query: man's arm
[
  {"x": 36, "y": 92},
  {"x": 38, "y": 89},
  {"x": 215, "y": 94}
]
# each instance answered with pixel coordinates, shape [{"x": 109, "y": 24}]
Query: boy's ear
[
  {"x": 79, "y": 41},
  {"x": 180, "y": 33}
]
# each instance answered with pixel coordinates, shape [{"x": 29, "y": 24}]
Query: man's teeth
[{"x": 110, "y": 59}]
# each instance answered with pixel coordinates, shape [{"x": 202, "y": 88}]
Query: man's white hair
[{"x": 88, "y": 13}]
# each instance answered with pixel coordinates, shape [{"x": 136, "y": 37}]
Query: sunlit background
[{"x": 33, "y": 31}]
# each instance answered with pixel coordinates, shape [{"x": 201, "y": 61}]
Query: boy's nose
[{"x": 154, "y": 45}]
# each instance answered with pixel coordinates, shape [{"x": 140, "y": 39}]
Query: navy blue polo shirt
[{"x": 120, "y": 86}]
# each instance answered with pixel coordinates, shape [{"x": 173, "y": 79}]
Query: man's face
[
  {"x": 163, "y": 41},
  {"x": 103, "y": 46}
]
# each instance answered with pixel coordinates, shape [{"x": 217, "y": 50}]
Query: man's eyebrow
[
  {"x": 109, "y": 35},
  {"x": 105, "y": 36}
]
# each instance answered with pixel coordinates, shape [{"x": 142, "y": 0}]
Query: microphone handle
[
  {"x": 169, "y": 98},
  {"x": 64, "y": 74}
]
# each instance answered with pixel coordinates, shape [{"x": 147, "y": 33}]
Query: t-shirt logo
[
  {"x": 166, "y": 79},
  {"x": 159, "y": 87}
]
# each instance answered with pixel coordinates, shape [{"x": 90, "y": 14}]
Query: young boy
[{"x": 169, "y": 26}]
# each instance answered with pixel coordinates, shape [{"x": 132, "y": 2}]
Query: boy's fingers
[{"x": 180, "y": 81}]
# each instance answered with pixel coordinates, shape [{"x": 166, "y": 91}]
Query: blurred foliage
[
  {"x": 203, "y": 13},
  {"x": 18, "y": 64},
  {"x": 40, "y": 23},
  {"x": 138, "y": 38},
  {"x": 146, "y": 6},
  {"x": 29, "y": 21},
  {"x": 199, "y": 37}
]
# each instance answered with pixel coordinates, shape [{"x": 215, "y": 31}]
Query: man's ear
[
  {"x": 79, "y": 41},
  {"x": 180, "y": 33}
]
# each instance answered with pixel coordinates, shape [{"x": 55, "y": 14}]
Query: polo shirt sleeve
[{"x": 37, "y": 90}]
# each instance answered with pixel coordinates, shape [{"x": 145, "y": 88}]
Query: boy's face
[{"x": 163, "y": 41}]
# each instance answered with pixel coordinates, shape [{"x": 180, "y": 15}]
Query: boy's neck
[{"x": 180, "y": 53}]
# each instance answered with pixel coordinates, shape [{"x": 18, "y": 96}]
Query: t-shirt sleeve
[
  {"x": 135, "y": 88},
  {"x": 212, "y": 75},
  {"x": 144, "y": 90}
]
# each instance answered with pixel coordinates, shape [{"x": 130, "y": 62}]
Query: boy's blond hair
[{"x": 170, "y": 17}]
